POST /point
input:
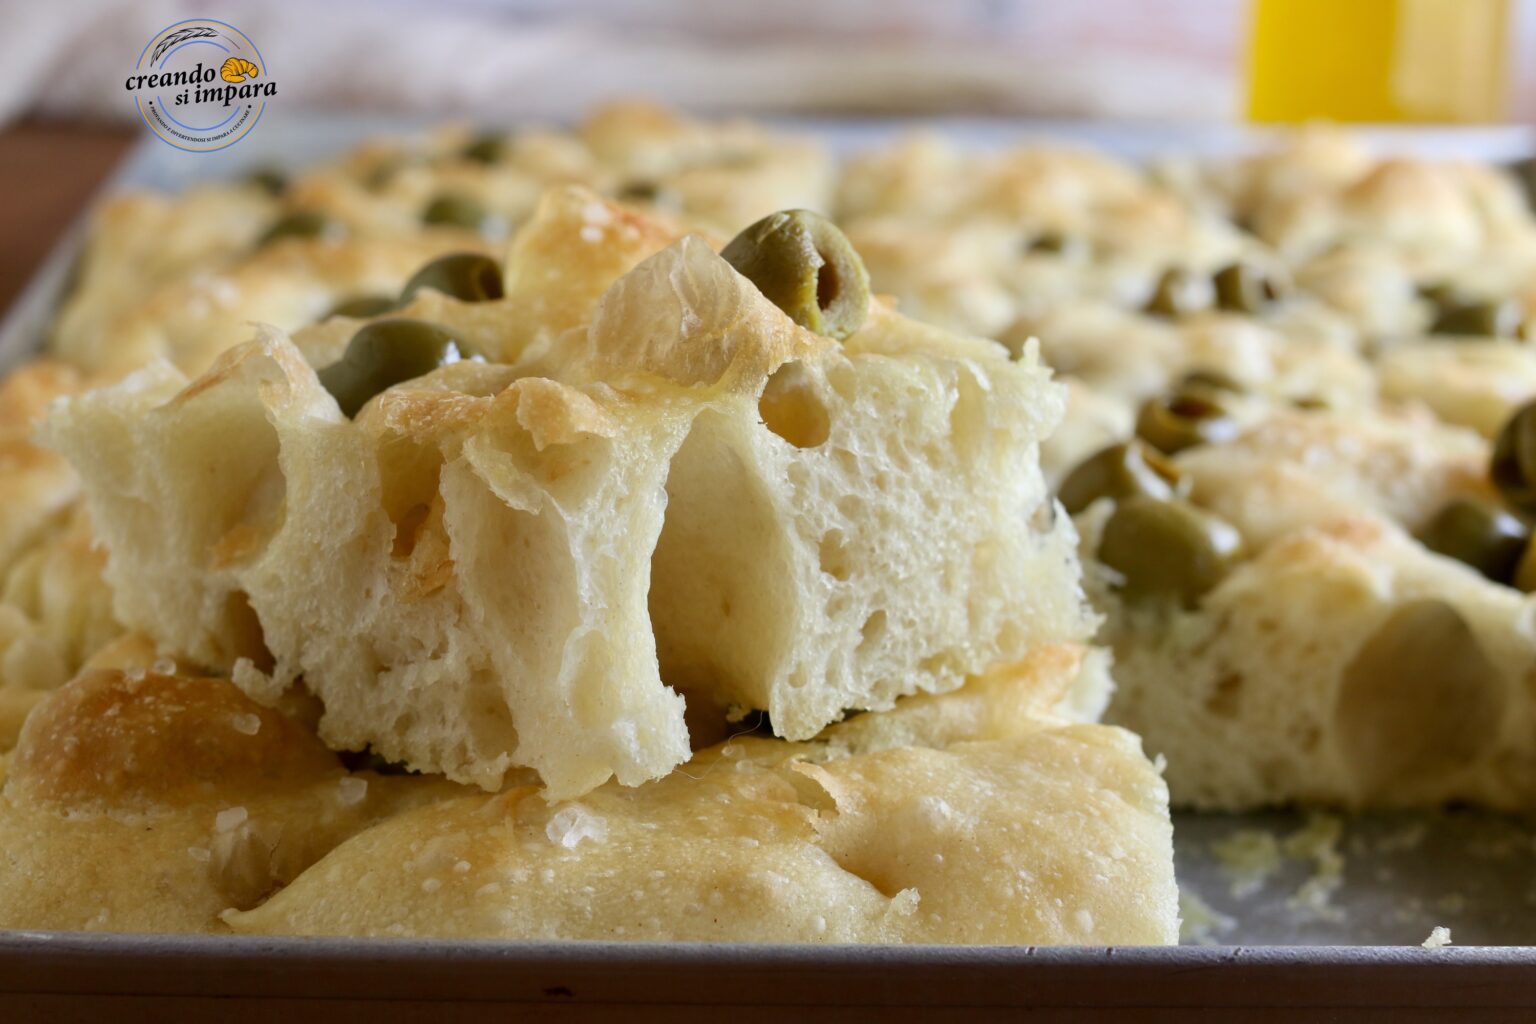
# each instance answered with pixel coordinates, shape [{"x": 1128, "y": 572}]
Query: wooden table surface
[{"x": 48, "y": 171}]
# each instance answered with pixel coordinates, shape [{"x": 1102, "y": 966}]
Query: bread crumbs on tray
[{"x": 1439, "y": 937}]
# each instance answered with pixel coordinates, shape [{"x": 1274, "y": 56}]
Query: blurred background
[
  {"x": 1382, "y": 60},
  {"x": 66, "y": 120}
]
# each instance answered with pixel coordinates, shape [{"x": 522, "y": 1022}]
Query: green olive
[
  {"x": 299, "y": 224},
  {"x": 1179, "y": 293},
  {"x": 385, "y": 353},
  {"x": 1443, "y": 293},
  {"x": 1492, "y": 318},
  {"x": 455, "y": 210},
  {"x": 1244, "y": 288},
  {"x": 270, "y": 180},
  {"x": 1419, "y": 699},
  {"x": 1167, "y": 549},
  {"x": 1479, "y": 534},
  {"x": 362, "y": 307},
  {"x": 1513, "y": 466},
  {"x": 807, "y": 267},
  {"x": 487, "y": 148},
  {"x": 466, "y": 276},
  {"x": 638, "y": 191},
  {"x": 1188, "y": 417},
  {"x": 1210, "y": 380},
  {"x": 1118, "y": 472}
]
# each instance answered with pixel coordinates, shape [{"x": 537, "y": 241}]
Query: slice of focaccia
[
  {"x": 966, "y": 817},
  {"x": 489, "y": 568}
]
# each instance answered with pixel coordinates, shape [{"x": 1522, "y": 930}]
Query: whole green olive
[
  {"x": 487, "y": 148},
  {"x": 1118, "y": 472},
  {"x": 466, "y": 276},
  {"x": 1244, "y": 288},
  {"x": 455, "y": 210},
  {"x": 804, "y": 265},
  {"x": 385, "y": 353},
  {"x": 1183, "y": 419},
  {"x": 1167, "y": 549},
  {"x": 299, "y": 224},
  {"x": 1479, "y": 534},
  {"x": 362, "y": 307},
  {"x": 1491, "y": 318},
  {"x": 1179, "y": 293},
  {"x": 270, "y": 180},
  {"x": 1513, "y": 465},
  {"x": 1418, "y": 700}
]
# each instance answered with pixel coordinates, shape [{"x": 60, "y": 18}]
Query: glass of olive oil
[{"x": 1378, "y": 60}]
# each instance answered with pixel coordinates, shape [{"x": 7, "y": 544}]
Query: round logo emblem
[{"x": 201, "y": 85}]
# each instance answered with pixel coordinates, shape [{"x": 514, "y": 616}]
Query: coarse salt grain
[
  {"x": 230, "y": 818},
  {"x": 249, "y": 723},
  {"x": 570, "y": 825},
  {"x": 164, "y": 667},
  {"x": 352, "y": 790}
]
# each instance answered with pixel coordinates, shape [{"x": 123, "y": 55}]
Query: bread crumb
[
  {"x": 1248, "y": 858},
  {"x": 1318, "y": 841},
  {"x": 570, "y": 825},
  {"x": 1199, "y": 922},
  {"x": 1439, "y": 936},
  {"x": 230, "y": 818}
]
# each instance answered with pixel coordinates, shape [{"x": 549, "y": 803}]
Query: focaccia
[{"x": 696, "y": 494}]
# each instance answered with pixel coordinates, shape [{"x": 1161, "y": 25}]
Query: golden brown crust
[{"x": 141, "y": 739}]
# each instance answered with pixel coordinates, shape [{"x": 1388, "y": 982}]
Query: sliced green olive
[
  {"x": 270, "y": 180},
  {"x": 455, "y": 210},
  {"x": 1167, "y": 549},
  {"x": 1244, "y": 288},
  {"x": 1179, "y": 293},
  {"x": 1513, "y": 466},
  {"x": 807, "y": 267},
  {"x": 299, "y": 224},
  {"x": 385, "y": 353},
  {"x": 1479, "y": 534},
  {"x": 487, "y": 148},
  {"x": 466, "y": 276},
  {"x": 1493, "y": 318},
  {"x": 363, "y": 306},
  {"x": 1188, "y": 417},
  {"x": 1118, "y": 472}
]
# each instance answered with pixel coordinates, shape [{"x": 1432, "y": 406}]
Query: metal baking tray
[{"x": 1288, "y": 914}]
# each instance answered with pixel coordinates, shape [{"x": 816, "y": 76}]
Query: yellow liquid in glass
[{"x": 1377, "y": 60}]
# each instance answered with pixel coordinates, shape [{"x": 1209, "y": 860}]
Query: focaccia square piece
[{"x": 500, "y": 565}]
